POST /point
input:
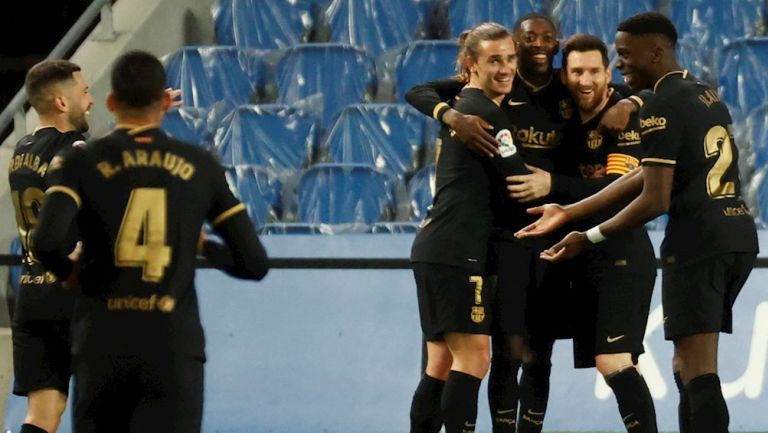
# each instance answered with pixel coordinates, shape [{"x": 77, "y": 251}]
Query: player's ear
[
  {"x": 563, "y": 75},
  {"x": 60, "y": 102},
  {"x": 111, "y": 102},
  {"x": 166, "y": 101}
]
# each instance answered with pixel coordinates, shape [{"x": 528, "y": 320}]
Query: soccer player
[
  {"x": 617, "y": 277},
  {"x": 449, "y": 252},
  {"x": 139, "y": 199},
  {"x": 689, "y": 170},
  {"x": 539, "y": 107},
  {"x": 41, "y": 359}
]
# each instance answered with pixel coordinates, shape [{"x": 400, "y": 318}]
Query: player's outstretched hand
[
  {"x": 472, "y": 131},
  {"x": 568, "y": 248},
  {"x": 616, "y": 118},
  {"x": 175, "y": 95},
  {"x": 529, "y": 187},
  {"x": 553, "y": 216}
]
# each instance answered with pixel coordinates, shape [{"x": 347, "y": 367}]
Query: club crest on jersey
[
  {"x": 506, "y": 143},
  {"x": 478, "y": 314},
  {"x": 594, "y": 139},
  {"x": 566, "y": 108}
]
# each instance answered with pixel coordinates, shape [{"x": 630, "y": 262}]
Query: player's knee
[
  {"x": 439, "y": 366},
  {"x": 608, "y": 364}
]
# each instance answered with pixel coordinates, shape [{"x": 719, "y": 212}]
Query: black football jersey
[
  {"x": 686, "y": 126},
  {"x": 41, "y": 296},
  {"x": 601, "y": 158},
  {"x": 457, "y": 228},
  {"x": 143, "y": 198}
]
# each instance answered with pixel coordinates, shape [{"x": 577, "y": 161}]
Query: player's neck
[
  {"x": 534, "y": 79},
  {"x": 61, "y": 123},
  {"x": 138, "y": 118}
]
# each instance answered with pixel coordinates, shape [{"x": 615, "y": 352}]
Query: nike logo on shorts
[{"x": 614, "y": 339}]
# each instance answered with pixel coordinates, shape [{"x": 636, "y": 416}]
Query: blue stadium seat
[
  {"x": 596, "y": 17},
  {"x": 258, "y": 190},
  {"x": 373, "y": 25},
  {"x": 351, "y": 197},
  {"x": 207, "y": 75},
  {"x": 15, "y": 271},
  {"x": 277, "y": 137},
  {"x": 757, "y": 135},
  {"x": 713, "y": 23},
  {"x": 325, "y": 77},
  {"x": 421, "y": 191},
  {"x": 389, "y": 137},
  {"x": 422, "y": 61},
  {"x": 741, "y": 75},
  {"x": 258, "y": 24},
  {"x": 188, "y": 124},
  {"x": 465, "y": 14}
]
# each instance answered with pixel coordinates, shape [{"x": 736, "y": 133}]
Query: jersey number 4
[
  {"x": 718, "y": 142},
  {"x": 141, "y": 239}
]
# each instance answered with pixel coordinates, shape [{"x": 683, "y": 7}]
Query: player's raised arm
[{"x": 429, "y": 98}]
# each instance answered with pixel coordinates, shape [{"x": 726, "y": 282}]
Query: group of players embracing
[{"x": 501, "y": 274}]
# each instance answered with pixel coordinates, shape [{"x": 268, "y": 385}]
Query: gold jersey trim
[
  {"x": 438, "y": 107},
  {"x": 136, "y": 129},
  {"x": 228, "y": 213},
  {"x": 684, "y": 72},
  {"x": 68, "y": 191},
  {"x": 660, "y": 161},
  {"x": 638, "y": 100}
]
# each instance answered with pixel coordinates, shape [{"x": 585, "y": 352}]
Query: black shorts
[
  {"x": 613, "y": 308},
  {"x": 514, "y": 267},
  {"x": 549, "y": 312},
  {"x": 131, "y": 394},
  {"x": 698, "y": 297},
  {"x": 452, "y": 299},
  {"x": 41, "y": 356}
]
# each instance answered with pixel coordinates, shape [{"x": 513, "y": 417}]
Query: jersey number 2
[
  {"x": 141, "y": 239},
  {"x": 718, "y": 142}
]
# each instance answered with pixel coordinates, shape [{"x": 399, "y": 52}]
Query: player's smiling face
[
  {"x": 635, "y": 60},
  {"x": 587, "y": 77},
  {"x": 79, "y": 101},
  {"x": 494, "y": 69},
  {"x": 538, "y": 45}
]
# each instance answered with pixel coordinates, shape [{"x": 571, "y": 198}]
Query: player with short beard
[{"x": 59, "y": 94}]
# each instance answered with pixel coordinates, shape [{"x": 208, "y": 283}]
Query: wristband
[{"x": 595, "y": 235}]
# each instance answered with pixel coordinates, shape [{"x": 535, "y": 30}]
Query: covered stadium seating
[
  {"x": 350, "y": 197},
  {"x": 423, "y": 61},
  {"x": 388, "y": 137},
  {"x": 373, "y": 25},
  {"x": 756, "y": 135},
  {"x": 188, "y": 124},
  {"x": 742, "y": 66},
  {"x": 259, "y": 24},
  {"x": 465, "y": 14},
  {"x": 325, "y": 77},
  {"x": 277, "y": 137},
  {"x": 711, "y": 23},
  {"x": 207, "y": 75},
  {"x": 421, "y": 191},
  {"x": 258, "y": 190},
  {"x": 597, "y": 17}
]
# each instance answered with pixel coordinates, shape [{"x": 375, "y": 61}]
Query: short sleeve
[
  {"x": 63, "y": 174},
  {"x": 661, "y": 133}
]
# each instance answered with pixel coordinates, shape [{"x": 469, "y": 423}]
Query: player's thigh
[
  {"x": 452, "y": 299},
  {"x": 698, "y": 297},
  {"x": 41, "y": 356},
  {"x": 173, "y": 399},
  {"x": 105, "y": 396}
]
